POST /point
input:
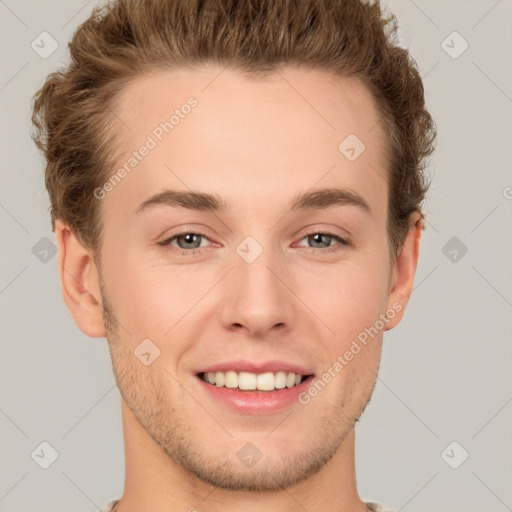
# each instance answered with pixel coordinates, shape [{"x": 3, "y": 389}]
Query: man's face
[{"x": 291, "y": 292}]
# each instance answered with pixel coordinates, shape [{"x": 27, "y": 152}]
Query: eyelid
[
  {"x": 343, "y": 242},
  {"x": 185, "y": 231},
  {"x": 316, "y": 231}
]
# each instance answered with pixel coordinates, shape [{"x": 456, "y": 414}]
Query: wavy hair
[{"x": 125, "y": 38}]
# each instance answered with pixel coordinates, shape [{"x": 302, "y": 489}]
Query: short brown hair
[{"x": 350, "y": 38}]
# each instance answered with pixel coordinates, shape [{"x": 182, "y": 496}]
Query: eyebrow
[{"x": 317, "y": 199}]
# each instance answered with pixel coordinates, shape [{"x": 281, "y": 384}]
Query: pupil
[
  {"x": 317, "y": 236},
  {"x": 189, "y": 238}
]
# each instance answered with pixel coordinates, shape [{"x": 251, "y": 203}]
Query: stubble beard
[{"x": 145, "y": 396}]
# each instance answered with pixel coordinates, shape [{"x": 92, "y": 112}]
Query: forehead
[{"x": 265, "y": 137}]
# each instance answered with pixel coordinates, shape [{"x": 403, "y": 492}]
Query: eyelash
[{"x": 342, "y": 243}]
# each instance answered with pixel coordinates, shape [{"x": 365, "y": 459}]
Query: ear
[
  {"x": 404, "y": 270},
  {"x": 80, "y": 282}
]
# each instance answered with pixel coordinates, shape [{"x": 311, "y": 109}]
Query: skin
[{"x": 256, "y": 143}]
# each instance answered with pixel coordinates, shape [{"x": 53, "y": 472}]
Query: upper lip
[{"x": 244, "y": 365}]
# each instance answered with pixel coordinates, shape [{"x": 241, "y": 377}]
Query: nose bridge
[{"x": 256, "y": 298}]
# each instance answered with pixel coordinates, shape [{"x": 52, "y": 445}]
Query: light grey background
[{"x": 445, "y": 373}]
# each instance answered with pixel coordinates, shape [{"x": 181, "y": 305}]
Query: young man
[{"x": 236, "y": 193}]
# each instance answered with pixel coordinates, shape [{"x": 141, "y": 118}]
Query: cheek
[
  {"x": 350, "y": 296},
  {"x": 150, "y": 300}
]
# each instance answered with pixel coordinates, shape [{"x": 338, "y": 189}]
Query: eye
[
  {"x": 326, "y": 238},
  {"x": 188, "y": 241}
]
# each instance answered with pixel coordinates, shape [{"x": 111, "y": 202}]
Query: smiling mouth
[{"x": 256, "y": 383}]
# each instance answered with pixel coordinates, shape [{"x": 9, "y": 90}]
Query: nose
[{"x": 256, "y": 298}]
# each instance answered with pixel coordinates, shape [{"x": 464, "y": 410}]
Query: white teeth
[
  {"x": 267, "y": 381},
  {"x": 247, "y": 380},
  {"x": 219, "y": 379},
  {"x": 231, "y": 379}
]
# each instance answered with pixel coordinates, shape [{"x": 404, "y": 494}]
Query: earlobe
[
  {"x": 80, "y": 282},
  {"x": 404, "y": 270}
]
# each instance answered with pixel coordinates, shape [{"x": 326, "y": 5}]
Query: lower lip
[{"x": 256, "y": 403}]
